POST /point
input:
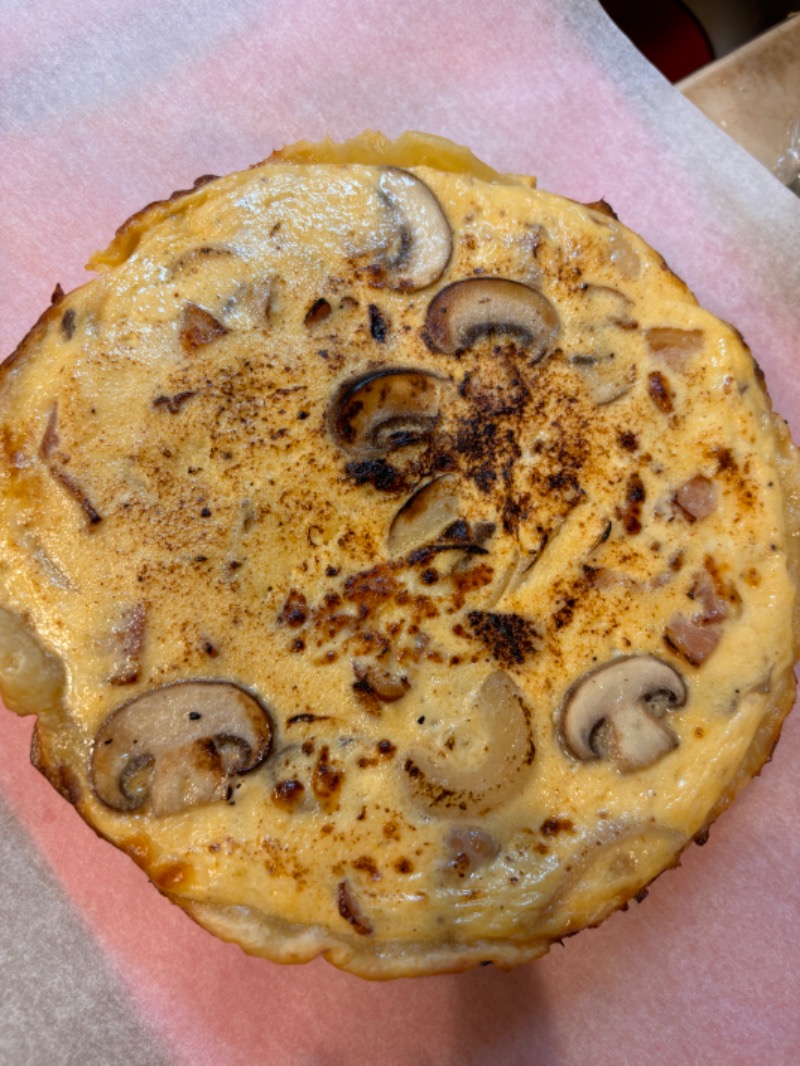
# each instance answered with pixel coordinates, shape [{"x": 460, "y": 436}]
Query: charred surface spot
[
  {"x": 378, "y": 326},
  {"x": 489, "y": 448},
  {"x": 68, "y": 324},
  {"x": 628, "y": 440},
  {"x": 631, "y": 515},
  {"x": 287, "y": 794},
  {"x": 317, "y": 312},
  {"x": 551, "y": 827},
  {"x": 326, "y": 781},
  {"x": 295, "y": 609},
  {"x": 725, "y": 460},
  {"x": 509, "y": 637},
  {"x": 377, "y": 472},
  {"x": 173, "y": 404}
]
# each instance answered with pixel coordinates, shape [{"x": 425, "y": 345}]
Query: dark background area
[{"x": 680, "y": 37}]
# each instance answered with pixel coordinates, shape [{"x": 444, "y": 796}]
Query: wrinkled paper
[{"x": 107, "y": 105}]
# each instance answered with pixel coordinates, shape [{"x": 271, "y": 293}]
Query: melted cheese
[{"x": 199, "y": 489}]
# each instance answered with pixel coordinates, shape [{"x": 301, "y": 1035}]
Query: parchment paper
[{"x": 108, "y": 104}]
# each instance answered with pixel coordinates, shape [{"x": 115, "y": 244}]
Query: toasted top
[{"x": 396, "y": 555}]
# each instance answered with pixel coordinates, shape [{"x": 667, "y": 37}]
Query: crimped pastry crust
[{"x": 444, "y": 490}]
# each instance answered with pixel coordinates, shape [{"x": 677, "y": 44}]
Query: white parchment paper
[{"x": 109, "y": 104}]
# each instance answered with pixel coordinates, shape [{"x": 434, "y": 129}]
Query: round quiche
[{"x": 399, "y": 562}]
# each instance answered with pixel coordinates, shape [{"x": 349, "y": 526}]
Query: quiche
[{"x": 400, "y": 564}]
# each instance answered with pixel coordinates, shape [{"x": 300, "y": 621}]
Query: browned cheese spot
[
  {"x": 509, "y": 637},
  {"x": 326, "y": 780},
  {"x": 199, "y": 328},
  {"x": 295, "y": 610},
  {"x": 659, "y": 391},
  {"x": 631, "y": 515},
  {"x": 287, "y": 794}
]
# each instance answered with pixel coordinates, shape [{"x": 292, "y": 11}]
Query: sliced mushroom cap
[
  {"x": 616, "y": 712},
  {"x": 425, "y": 516},
  {"x": 462, "y": 312},
  {"x": 386, "y": 410},
  {"x": 442, "y": 783},
  {"x": 178, "y": 747},
  {"x": 422, "y": 242}
]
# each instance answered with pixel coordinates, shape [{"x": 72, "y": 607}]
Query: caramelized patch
[
  {"x": 199, "y": 328},
  {"x": 631, "y": 516},
  {"x": 659, "y": 391},
  {"x": 349, "y": 911},
  {"x": 295, "y": 610},
  {"x": 175, "y": 875},
  {"x": 287, "y": 794},
  {"x": 509, "y": 637},
  {"x": 326, "y": 780},
  {"x": 377, "y": 472}
]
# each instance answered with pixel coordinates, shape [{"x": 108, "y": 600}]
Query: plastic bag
[{"x": 787, "y": 165}]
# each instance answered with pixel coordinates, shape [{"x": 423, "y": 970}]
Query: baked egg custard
[{"x": 399, "y": 562}]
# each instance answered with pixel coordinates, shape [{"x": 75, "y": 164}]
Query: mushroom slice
[
  {"x": 422, "y": 243},
  {"x": 32, "y": 679},
  {"x": 675, "y": 346},
  {"x": 424, "y": 516},
  {"x": 386, "y": 410},
  {"x": 623, "y": 254},
  {"x": 178, "y": 746},
  {"x": 468, "y": 848},
  {"x": 466, "y": 310},
  {"x": 442, "y": 781},
  {"x": 607, "y": 379},
  {"x": 615, "y": 712}
]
